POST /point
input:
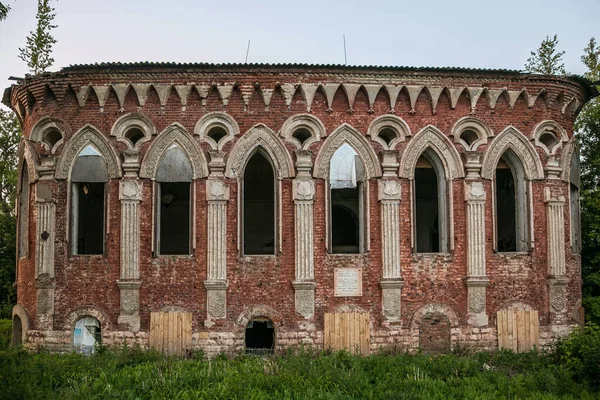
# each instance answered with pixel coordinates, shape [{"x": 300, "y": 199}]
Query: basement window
[
  {"x": 86, "y": 335},
  {"x": 346, "y": 184},
  {"x": 23, "y": 210},
  {"x": 511, "y": 205},
  {"x": 260, "y": 337},
  {"x": 259, "y": 205},
  {"x": 89, "y": 177},
  {"x": 173, "y": 203},
  {"x": 431, "y": 205}
]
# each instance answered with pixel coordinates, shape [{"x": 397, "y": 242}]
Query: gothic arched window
[{"x": 23, "y": 211}]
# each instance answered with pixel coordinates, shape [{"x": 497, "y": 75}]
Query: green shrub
[
  {"x": 5, "y": 333},
  {"x": 580, "y": 354}
]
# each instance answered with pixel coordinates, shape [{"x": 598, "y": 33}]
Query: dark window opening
[
  {"x": 259, "y": 206},
  {"x": 89, "y": 208},
  {"x": 575, "y": 220},
  {"x": 469, "y": 137},
  {"x": 51, "y": 138},
  {"x": 549, "y": 140},
  {"x": 23, "y": 212},
  {"x": 217, "y": 134},
  {"x": 134, "y": 135},
  {"x": 302, "y": 135},
  {"x": 174, "y": 200},
  {"x": 427, "y": 209},
  {"x": 260, "y": 337},
  {"x": 506, "y": 213},
  {"x": 387, "y": 135},
  {"x": 17, "y": 331},
  {"x": 345, "y": 227}
]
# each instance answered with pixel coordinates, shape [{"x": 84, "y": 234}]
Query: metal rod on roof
[
  {"x": 345, "y": 57},
  {"x": 247, "y": 51}
]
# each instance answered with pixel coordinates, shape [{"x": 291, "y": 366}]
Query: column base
[
  {"x": 129, "y": 317},
  {"x": 391, "y": 298},
  {"x": 305, "y": 298},
  {"x": 557, "y": 293},
  {"x": 216, "y": 301},
  {"x": 476, "y": 292}
]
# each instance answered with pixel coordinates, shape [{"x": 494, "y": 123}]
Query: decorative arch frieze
[
  {"x": 87, "y": 135},
  {"x": 259, "y": 136},
  {"x": 347, "y": 134},
  {"x": 87, "y": 311},
  {"x": 303, "y": 121},
  {"x": 174, "y": 134},
  {"x": 552, "y": 128},
  {"x": 217, "y": 120},
  {"x": 433, "y": 138},
  {"x": 131, "y": 121},
  {"x": 512, "y": 138},
  {"x": 393, "y": 122},
  {"x": 28, "y": 155},
  {"x": 469, "y": 123},
  {"x": 434, "y": 308}
]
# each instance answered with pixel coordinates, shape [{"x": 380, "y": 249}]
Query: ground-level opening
[
  {"x": 17, "y": 331},
  {"x": 434, "y": 333},
  {"x": 86, "y": 335},
  {"x": 260, "y": 336}
]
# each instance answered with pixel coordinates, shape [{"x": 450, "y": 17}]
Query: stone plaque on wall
[{"x": 347, "y": 282}]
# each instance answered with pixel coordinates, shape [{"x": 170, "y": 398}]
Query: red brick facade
[{"x": 432, "y": 285}]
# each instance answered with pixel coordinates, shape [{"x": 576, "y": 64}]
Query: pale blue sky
[{"x": 460, "y": 33}]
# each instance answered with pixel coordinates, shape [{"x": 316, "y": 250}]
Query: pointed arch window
[
  {"x": 173, "y": 203},
  {"x": 23, "y": 211},
  {"x": 431, "y": 210},
  {"x": 346, "y": 193},
  {"x": 511, "y": 204},
  {"x": 89, "y": 178},
  {"x": 574, "y": 206},
  {"x": 258, "y": 205}
]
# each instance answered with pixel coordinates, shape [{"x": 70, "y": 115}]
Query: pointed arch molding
[
  {"x": 511, "y": 138},
  {"x": 433, "y": 138},
  {"x": 174, "y": 134},
  {"x": 87, "y": 135},
  {"x": 28, "y": 155},
  {"x": 570, "y": 151},
  {"x": 259, "y": 136}
]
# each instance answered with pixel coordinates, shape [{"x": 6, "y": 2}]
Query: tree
[
  {"x": 4, "y": 9},
  {"x": 10, "y": 135},
  {"x": 38, "y": 51},
  {"x": 547, "y": 59},
  {"x": 587, "y": 127}
]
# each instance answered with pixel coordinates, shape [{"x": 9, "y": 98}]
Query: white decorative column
[
  {"x": 476, "y": 280},
  {"x": 389, "y": 197},
  {"x": 304, "y": 195},
  {"x": 217, "y": 197},
  {"x": 130, "y": 194},
  {"x": 44, "y": 256},
  {"x": 557, "y": 279}
]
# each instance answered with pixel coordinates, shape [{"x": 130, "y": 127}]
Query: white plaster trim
[
  {"x": 393, "y": 122},
  {"x": 303, "y": 121},
  {"x": 554, "y": 128},
  {"x": 217, "y": 120},
  {"x": 481, "y": 129},
  {"x": 39, "y": 130},
  {"x": 28, "y": 156},
  {"x": 569, "y": 151},
  {"x": 129, "y": 121}
]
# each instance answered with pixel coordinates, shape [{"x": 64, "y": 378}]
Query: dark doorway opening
[
  {"x": 174, "y": 218},
  {"x": 506, "y": 210},
  {"x": 344, "y": 221},
  {"x": 260, "y": 337},
  {"x": 17, "y": 331},
  {"x": 426, "y": 213},
  {"x": 90, "y": 217},
  {"x": 259, "y": 206}
]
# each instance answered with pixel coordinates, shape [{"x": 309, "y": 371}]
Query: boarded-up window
[{"x": 434, "y": 333}]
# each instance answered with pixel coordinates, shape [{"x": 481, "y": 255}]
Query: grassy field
[{"x": 572, "y": 371}]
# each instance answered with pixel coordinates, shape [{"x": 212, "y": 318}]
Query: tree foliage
[
  {"x": 547, "y": 59},
  {"x": 10, "y": 135},
  {"x": 587, "y": 127},
  {"x": 4, "y": 9},
  {"x": 38, "y": 51}
]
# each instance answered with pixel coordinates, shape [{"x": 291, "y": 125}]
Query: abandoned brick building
[{"x": 249, "y": 206}]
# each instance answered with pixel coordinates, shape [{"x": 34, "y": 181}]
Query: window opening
[
  {"x": 86, "y": 335},
  {"x": 259, "y": 206},
  {"x": 17, "y": 331},
  {"x": 174, "y": 177},
  {"x": 387, "y": 134},
  {"x": 346, "y": 177},
  {"x": 469, "y": 136},
  {"x": 217, "y": 133},
  {"x": 89, "y": 177},
  {"x": 431, "y": 208},
  {"x": 549, "y": 140},
  {"x": 260, "y": 337},
  {"x": 134, "y": 135},
  {"x": 51, "y": 138},
  {"x": 302, "y": 135},
  {"x": 24, "y": 211}
]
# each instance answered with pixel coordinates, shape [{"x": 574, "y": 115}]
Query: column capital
[
  {"x": 553, "y": 196},
  {"x": 477, "y": 281},
  {"x": 217, "y": 190},
  {"x": 390, "y": 164},
  {"x": 131, "y": 162},
  {"x": 130, "y": 190},
  {"x": 304, "y": 189},
  {"x": 389, "y": 189},
  {"x": 303, "y": 285},
  {"x": 216, "y": 164},
  {"x": 474, "y": 191},
  {"x": 129, "y": 285},
  {"x": 216, "y": 285},
  {"x": 473, "y": 165}
]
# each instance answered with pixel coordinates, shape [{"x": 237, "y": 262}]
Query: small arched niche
[
  {"x": 470, "y": 133},
  {"x": 388, "y": 130},
  {"x": 260, "y": 336},
  {"x": 549, "y": 136},
  {"x": 87, "y": 334}
]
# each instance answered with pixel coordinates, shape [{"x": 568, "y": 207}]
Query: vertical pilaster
[
  {"x": 304, "y": 194},
  {"x": 130, "y": 194},
  {"x": 389, "y": 197},
  {"x": 44, "y": 256},
  {"x": 217, "y": 196},
  {"x": 476, "y": 279},
  {"x": 557, "y": 279}
]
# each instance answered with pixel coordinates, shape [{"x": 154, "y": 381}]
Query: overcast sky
[{"x": 437, "y": 33}]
